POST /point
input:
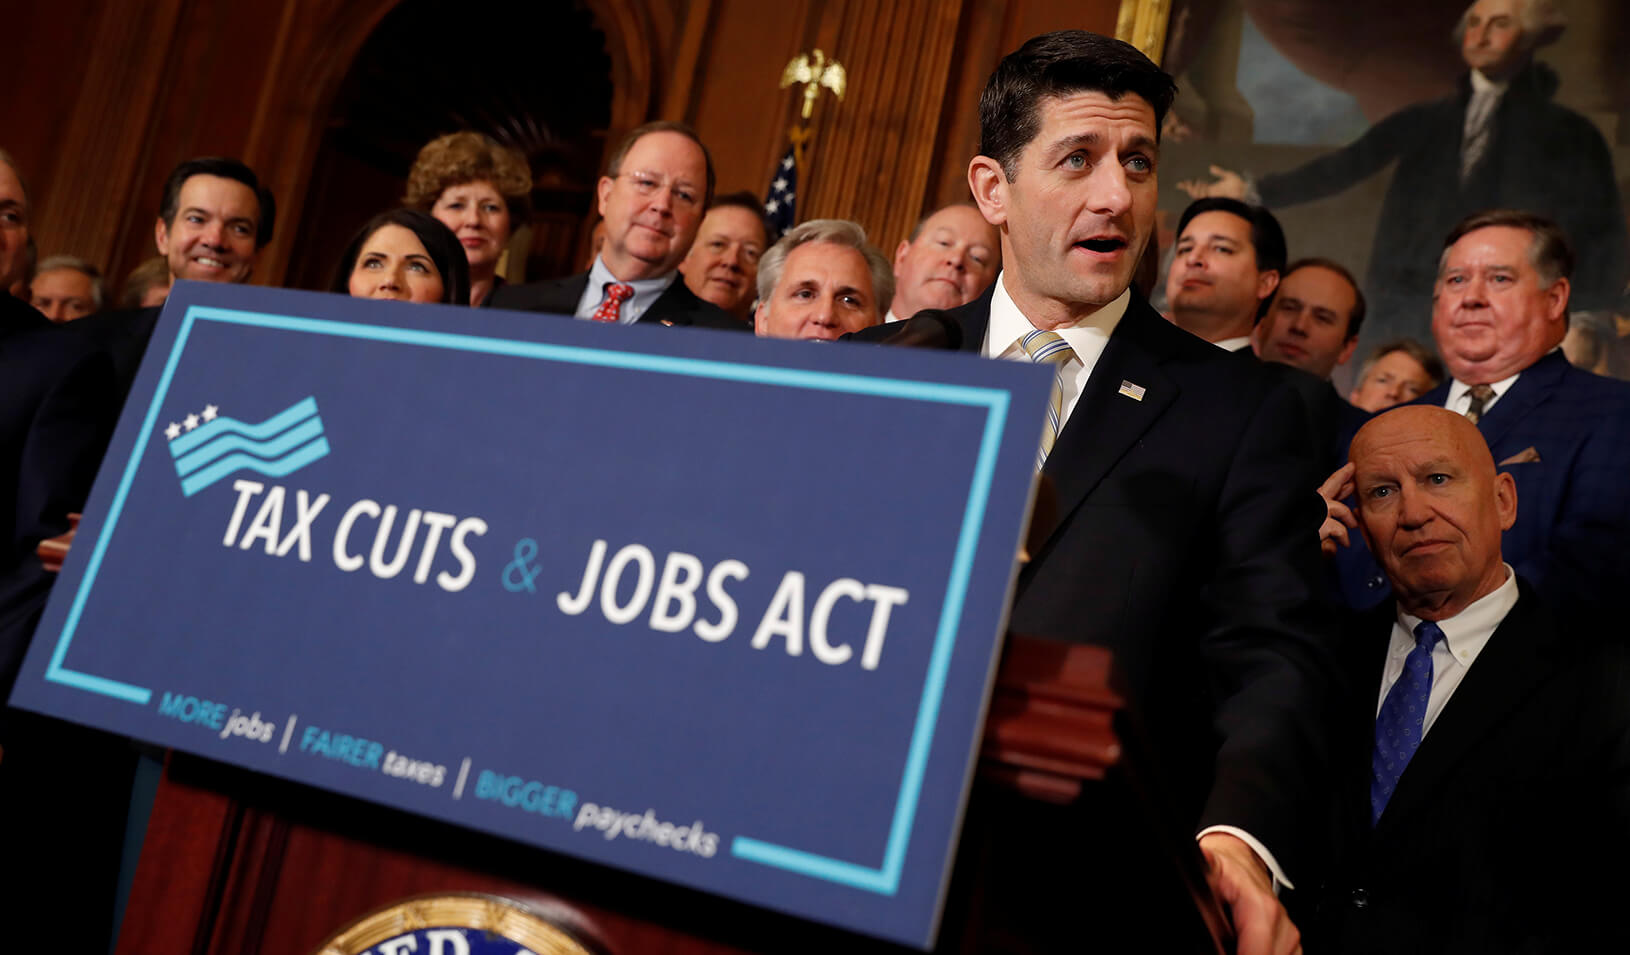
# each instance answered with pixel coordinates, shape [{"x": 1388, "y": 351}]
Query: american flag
[{"x": 779, "y": 207}]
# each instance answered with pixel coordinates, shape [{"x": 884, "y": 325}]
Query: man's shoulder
[
  {"x": 17, "y": 317},
  {"x": 557, "y": 295},
  {"x": 680, "y": 306}
]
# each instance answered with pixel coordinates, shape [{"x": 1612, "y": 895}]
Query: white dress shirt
[
  {"x": 1460, "y": 394},
  {"x": 1464, "y": 637},
  {"x": 1234, "y": 344},
  {"x": 646, "y": 292},
  {"x": 1086, "y": 339}
]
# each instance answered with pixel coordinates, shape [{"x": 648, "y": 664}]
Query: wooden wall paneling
[
  {"x": 217, "y": 66},
  {"x": 316, "y": 43},
  {"x": 978, "y": 49},
  {"x": 736, "y": 104},
  {"x": 687, "y": 59},
  {"x": 875, "y": 150},
  {"x": 83, "y": 198},
  {"x": 1027, "y": 18},
  {"x": 38, "y": 100},
  {"x": 632, "y": 45}
]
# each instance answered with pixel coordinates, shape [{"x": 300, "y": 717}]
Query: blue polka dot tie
[{"x": 1403, "y": 714}]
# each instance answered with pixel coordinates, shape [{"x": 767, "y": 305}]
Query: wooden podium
[{"x": 241, "y": 864}]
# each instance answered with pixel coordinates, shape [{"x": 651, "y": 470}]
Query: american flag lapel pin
[{"x": 1135, "y": 392}]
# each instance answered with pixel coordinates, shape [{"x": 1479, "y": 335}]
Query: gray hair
[
  {"x": 1542, "y": 22},
  {"x": 99, "y": 289},
  {"x": 837, "y": 232}
]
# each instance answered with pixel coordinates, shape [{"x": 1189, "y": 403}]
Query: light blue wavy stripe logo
[{"x": 221, "y": 446}]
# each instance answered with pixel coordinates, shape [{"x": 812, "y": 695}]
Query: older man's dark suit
[
  {"x": 1572, "y": 536},
  {"x": 1186, "y": 541},
  {"x": 676, "y": 306},
  {"x": 1510, "y": 828},
  {"x": 1564, "y": 435}
]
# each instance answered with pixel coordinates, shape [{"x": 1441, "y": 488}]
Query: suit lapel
[
  {"x": 1105, "y": 423},
  {"x": 1517, "y": 660},
  {"x": 1533, "y": 388},
  {"x": 672, "y": 307},
  {"x": 974, "y": 318}
]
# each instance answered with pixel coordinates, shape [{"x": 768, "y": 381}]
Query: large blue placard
[{"x": 713, "y": 609}]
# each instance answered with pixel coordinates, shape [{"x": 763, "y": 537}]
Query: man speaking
[{"x": 1181, "y": 542}]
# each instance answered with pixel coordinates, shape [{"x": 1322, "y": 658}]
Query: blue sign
[{"x": 717, "y": 610}]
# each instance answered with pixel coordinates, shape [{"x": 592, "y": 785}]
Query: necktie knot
[
  {"x": 1045, "y": 347},
  {"x": 610, "y": 310},
  {"x": 1481, "y": 395},
  {"x": 1427, "y": 635}
]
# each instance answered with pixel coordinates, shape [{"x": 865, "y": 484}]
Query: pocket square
[{"x": 1527, "y": 455}]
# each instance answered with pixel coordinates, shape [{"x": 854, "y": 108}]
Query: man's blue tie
[{"x": 1403, "y": 714}]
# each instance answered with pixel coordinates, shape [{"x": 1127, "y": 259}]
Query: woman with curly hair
[{"x": 479, "y": 190}]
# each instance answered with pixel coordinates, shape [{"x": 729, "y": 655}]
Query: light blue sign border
[{"x": 884, "y": 879}]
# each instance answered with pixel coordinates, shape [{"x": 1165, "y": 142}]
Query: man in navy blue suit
[{"x": 1500, "y": 311}]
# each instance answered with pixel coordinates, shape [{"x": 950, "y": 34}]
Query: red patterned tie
[{"x": 610, "y": 310}]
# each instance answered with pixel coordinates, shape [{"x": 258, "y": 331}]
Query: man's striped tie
[{"x": 1048, "y": 348}]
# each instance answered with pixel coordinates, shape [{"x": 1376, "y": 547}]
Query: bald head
[
  {"x": 1432, "y": 507},
  {"x": 950, "y": 260}
]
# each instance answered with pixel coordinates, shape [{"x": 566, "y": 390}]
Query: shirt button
[{"x": 1361, "y": 898}]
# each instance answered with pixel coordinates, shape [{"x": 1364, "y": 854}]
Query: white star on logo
[
  {"x": 779, "y": 184},
  {"x": 191, "y": 421},
  {"x": 173, "y": 431},
  {"x": 771, "y": 206},
  {"x": 789, "y": 197},
  {"x": 786, "y": 163},
  {"x": 210, "y": 411}
]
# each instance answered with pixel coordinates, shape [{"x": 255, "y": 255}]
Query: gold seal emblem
[{"x": 456, "y": 923}]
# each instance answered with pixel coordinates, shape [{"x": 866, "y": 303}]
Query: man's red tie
[{"x": 611, "y": 309}]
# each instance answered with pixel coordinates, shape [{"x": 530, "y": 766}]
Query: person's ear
[
  {"x": 1347, "y": 350},
  {"x": 990, "y": 187},
  {"x": 161, "y": 236},
  {"x": 1505, "y": 499},
  {"x": 1556, "y": 300},
  {"x": 1266, "y": 282},
  {"x": 603, "y": 192}
]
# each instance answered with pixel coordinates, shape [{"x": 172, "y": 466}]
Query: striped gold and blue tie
[{"x": 1049, "y": 349}]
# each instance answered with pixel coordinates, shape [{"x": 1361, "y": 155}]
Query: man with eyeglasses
[{"x": 656, "y": 188}]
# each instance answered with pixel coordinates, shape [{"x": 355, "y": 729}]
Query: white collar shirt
[
  {"x": 646, "y": 292},
  {"x": 1464, "y": 637},
  {"x": 1086, "y": 339}
]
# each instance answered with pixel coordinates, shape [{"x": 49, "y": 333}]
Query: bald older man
[
  {"x": 1486, "y": 802},
  {"x": 951, "y": 258}
]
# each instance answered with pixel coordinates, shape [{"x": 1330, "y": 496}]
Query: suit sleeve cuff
[{"x": 1279, "y": 879}]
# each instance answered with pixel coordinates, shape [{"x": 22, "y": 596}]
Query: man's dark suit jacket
[
  {"x": 1510, "y": 828},
  {"x": 676, "y": 306},
  {"x": 1564, "y": 435},
  {"x": 1187, "y": 542},
  {"x": 1331, "y": 421}
]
